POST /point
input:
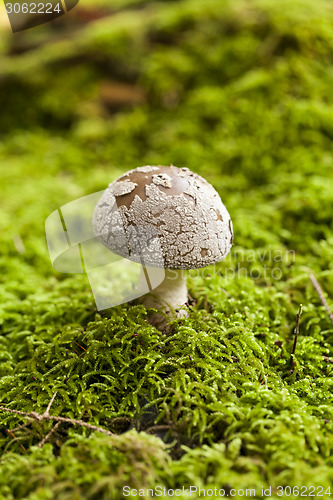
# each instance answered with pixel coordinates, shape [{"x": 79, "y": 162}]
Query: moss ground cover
[{"x": 240, "y": 92}]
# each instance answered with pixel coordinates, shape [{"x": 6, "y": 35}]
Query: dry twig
[
  {"x": 48, "y": 435},
  {"x": 46, "y": 416},
  {"x": 12, "y": 434},
  {"x": 296, "y": 331},
  {"x": 320, "y": 292}
]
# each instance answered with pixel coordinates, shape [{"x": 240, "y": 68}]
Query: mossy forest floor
[{"x": 241, "y": 93}]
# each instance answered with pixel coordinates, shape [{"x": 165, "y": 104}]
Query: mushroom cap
[{"x": 181, "y": 219}]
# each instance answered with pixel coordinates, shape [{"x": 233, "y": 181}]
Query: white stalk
[{"x": 169, "y": 297}]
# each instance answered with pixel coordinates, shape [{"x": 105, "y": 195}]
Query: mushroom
[{"x": 192, "y": 225}]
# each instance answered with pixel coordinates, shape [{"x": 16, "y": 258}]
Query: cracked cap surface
[{"x": 176, "y": 211}]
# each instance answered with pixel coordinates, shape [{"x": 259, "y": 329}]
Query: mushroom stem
[{"x": 168, "y": 297}]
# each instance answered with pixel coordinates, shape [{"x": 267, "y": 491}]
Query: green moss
[{"x": 240, "y": 93}]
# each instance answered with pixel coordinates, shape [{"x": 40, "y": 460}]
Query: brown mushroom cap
[{"x": 185, "y": 214}]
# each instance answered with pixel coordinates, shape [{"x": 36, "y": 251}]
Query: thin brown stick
[
  {"x": 320, "y": 292},
  {"x": 80, "y": 346},
  {"x": 17, "y": 412},
  {"x": 50, "y": 403},
  {"x": 21, "y": 427},
  {"x": 82, "y": 423},
  {"x": 11, "y": 433},
  {"x": 44, "y": 416},
  {"x": 43, "y": 441},
  {"x": 296, "y": 331}
]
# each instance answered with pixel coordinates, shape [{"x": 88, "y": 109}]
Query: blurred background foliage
[{"x": 241, "y": 93}]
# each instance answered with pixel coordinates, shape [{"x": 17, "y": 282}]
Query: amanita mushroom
[{"x": 193, "y": 226}]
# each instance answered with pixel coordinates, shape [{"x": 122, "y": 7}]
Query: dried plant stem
[
  {"x": 39, "y": 418},
  {"x": 23, "y": 426},
  {"x": 46, "y": 416},
  {"x": 43, "y": 441},
  {"x": 82, "y": 423},
  {"x": 50, "y": 403},
  {"x": 320, "y": 292},
  {"x": 12, "y": 434},
  {"x": 296, "y": 331}
]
